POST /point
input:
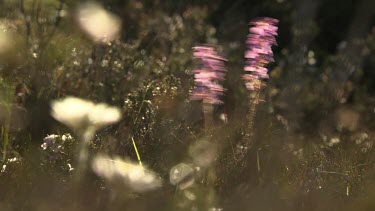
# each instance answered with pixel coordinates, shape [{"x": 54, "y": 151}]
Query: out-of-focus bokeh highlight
[{"x": 100, "y": 24}]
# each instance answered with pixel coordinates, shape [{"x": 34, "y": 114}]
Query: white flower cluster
[
  {"x": 134, "y": 176},
  {"x": 78, "y": 114},
  {"x": 5, "y": 39},
  {"x": 55, "y": 142},
  {"x": 8, "y": 162}
]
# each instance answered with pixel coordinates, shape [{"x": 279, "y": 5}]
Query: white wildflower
[
  {"x": 3, "y": 168},
  {"x": 11, "y": 160},
  {"x": 49, "y": 141},
  {"x": 136, "y": 177},
  {"x": 70, "y": 167},
  {"x": 66, "y": 137},
  {"x": 5, "y": 39},
  {"x": 101, "y": 25},
  {"x": 85, "y": 118},
  {"x": 44, "y": 146},
  {"x": 103, "y": 115},
  {"x": 53, "y": 136},
  {"x": 72, "y": 111},
  {"x": 334, "y": 141},
  {"x": 81, "y": 114}
]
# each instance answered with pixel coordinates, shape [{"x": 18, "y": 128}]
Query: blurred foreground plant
[
  {"x": 118, "y": 172},
  {"x": 85, "y": 118}
]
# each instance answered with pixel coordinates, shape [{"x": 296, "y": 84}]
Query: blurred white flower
[
  {"x": 100, "y": 24},
  {"x": 5, "y": 39},
  {"x": 103, "y": 115},
  {"x": 81, "y": 114},
  {"x": 85, "y": 118},
  {"x": 334, "y": 141},
  {"x": 134, "y": 176},
  {"x": 52, "y": 136},
  {"x": 72, "y": 111},
  {"x": 70, "y": 167},
  {"x": 50, "y": 141}
]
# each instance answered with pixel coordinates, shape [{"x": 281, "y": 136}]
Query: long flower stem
[
  {"x": 208, "y": 111},
  {"x": 83, "y": 151},
  {"x": 246, "y": 143}
]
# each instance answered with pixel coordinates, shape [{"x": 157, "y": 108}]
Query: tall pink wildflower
[
  {"x": 210, "y": 71},
  {"x": 259, "y": 53}
]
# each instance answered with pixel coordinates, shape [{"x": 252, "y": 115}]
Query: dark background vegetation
[{"x": 321, "y": 89}]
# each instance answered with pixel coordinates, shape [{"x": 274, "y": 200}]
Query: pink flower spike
[
  {"x": 207, "y": 77},
  {"x": 259, "y": 52}
]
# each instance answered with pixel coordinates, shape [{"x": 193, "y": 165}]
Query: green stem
[{"x": 136, "y": 152}]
